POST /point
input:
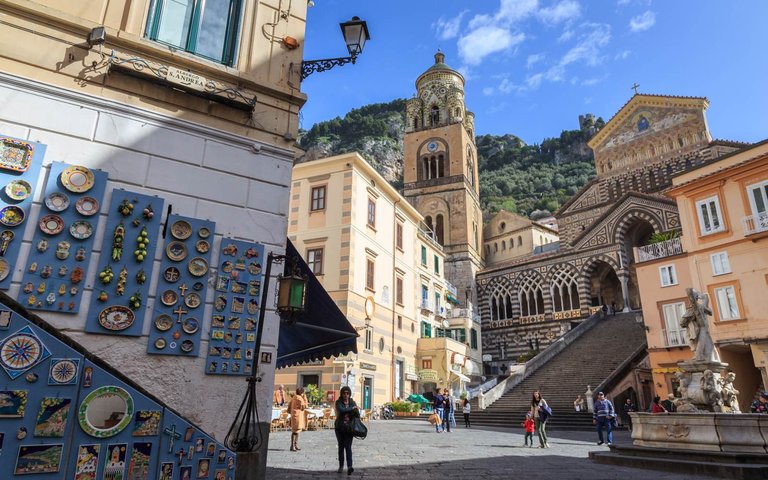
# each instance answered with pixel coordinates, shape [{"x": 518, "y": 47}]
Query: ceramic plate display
[
  {"x": 18, "y": 190},
  {"x": 203, "y": 233},
  {"x": 169, "y": 297},
  {"x": 11, "y": 216},
  {"x": 160, "y": 343},
  {"x": 192, "y": 300},
  {"x": 87, "y": 206},
  {"x": 21, "y": 351},
  {"x": 77, "y": 179},
  {"x": 116, "y": 317},
  {"x": 57, "y": 202},
  {"x": 5, "y": 269},
  {"x": 163, "y": 322},
  {"x": 176, "y": 251},
  {"x": 181, "y": 230},
  {"x": 81, "y": 230},
  {"x": 254, "y": 268},
  {"x": 197, "y": 286},
  {"x": 187, "y": 346},
  {"x": 202, "y": 246},
  {"x": 198, "y": 266},
  {"x": 171, "y": 274},
  {"x": 15, "y": 155},
  {"x": 190, "y": 325},
  {"x": 51, "y": 224}
]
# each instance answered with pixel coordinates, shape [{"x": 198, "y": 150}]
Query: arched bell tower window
[
  {"x": 470, "y": 167},
  {"x": 433, "y": 167},
  {"x": 428, "y": 223},
  {"x": 439, "y": 229},
  {"x": 415, "y": 122},
  {"x": 434, "y": 115},
  {"x": 458, "y": 111}
]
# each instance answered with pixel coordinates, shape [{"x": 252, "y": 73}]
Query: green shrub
[{"x": 527, "y": 356}]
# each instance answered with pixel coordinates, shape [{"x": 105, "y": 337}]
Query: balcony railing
[
  {"x": 675, "y": 338},
  {"x": 426, "y": 305},
  {"x": 756, "y": 223},
  {"x": 655, "y": 251}
]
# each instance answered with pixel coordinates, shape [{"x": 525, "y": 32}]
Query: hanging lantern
[{"x": 291, "y": 290}]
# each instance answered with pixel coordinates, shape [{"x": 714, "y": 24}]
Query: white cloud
[
  {"x": 642, "y": 22},
  {"x": 565, "y": 10},
  {"x": 623, "y": 55},
  {"x": 514, "y": 10},
  {"x": 481, "y": 42},
  {"x": 534, "y": 59},
  {"x": 507, "y": 87},
  {"x": 567, "y": 35},
  {"x": 534, "y": 81},
  {"x": 589, "y": 46},
  {"x": 488, "y": 91},
  {"x": 623, "y": 2},
  {"x": 587, "y": 100},
  {"x": 447, "y": 29},
  {"x": 592, "y": 81}
]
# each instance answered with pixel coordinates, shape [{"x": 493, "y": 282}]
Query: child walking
[{"x": 529, "y": 429}]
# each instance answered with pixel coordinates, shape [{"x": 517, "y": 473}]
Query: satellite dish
[{"x": 446, "y": 324}]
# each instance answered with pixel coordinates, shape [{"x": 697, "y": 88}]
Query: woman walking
[
  {"x": 540, "y": 412},
  {"x": 346, "y": 410},
  {"x": 467, "y": 408},
  {"x": 297, "y": 409}
]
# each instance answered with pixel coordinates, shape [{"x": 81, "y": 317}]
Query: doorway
[{"x": 367, "y": 392}]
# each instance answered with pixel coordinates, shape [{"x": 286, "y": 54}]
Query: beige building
[
  {"x": 508, "y": 236},
  {"x": 373, "y": 254},
  {"x": 723, "y": 254}
]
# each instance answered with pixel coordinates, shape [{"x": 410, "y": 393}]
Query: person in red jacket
[
  {"x": 657, "y": 407},
  {"x": 530, "y": 427}
]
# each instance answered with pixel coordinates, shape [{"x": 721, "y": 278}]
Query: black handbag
[{"x": 359, "y": 430}]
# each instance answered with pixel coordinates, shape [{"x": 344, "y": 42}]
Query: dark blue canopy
[{"x": 321, "y": 331}]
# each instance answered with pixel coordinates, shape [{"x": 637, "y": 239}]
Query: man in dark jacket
[
  {"x": 439, "y": 406},
  {"x": 602, "y": 416}
]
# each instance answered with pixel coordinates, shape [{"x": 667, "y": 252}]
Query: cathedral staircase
[{"x": 591, "y": 359}]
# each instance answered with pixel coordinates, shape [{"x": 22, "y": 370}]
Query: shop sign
[
  {"x": 428, "y": 375},
  {"x": 411, "y": 376},
  {"x": 186, "y": 79},
  {"x": 367, "y": 366}
]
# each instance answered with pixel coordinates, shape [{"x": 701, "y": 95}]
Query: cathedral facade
[{"x": 527, "y": 303}]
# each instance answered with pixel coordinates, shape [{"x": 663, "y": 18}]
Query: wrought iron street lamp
[
  {"x": 244, "y": 434},
  {"x": 355, "y": 34}
]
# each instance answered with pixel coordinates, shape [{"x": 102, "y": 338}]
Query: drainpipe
[{"x": 394, "y": 298}]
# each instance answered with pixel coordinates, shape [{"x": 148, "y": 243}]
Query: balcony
[
  {"x": 675, "y": 338},
  {"x": 426, "y": 306},
  {"x": 756, "y": 223},
  {"x": 659, "y": 250},
  {"x": 442, "y": 312}
]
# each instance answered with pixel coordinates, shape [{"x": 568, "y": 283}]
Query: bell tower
[{"x": 440, "y": 172}]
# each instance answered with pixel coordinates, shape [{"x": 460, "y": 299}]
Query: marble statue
[
  {"x": 695, "y": 321},
  {"x": 728, "y": 393},
  {"x": 710, "y": 389}
]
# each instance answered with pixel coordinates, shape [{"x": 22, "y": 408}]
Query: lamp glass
[
  {"x": 355, "y": 34},
  {"x": 290, "y": 293}
]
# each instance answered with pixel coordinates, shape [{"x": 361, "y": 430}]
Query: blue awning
[{"x": 321, "y": 331}]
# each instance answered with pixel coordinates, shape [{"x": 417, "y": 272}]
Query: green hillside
[{"x": 514, "y": 176}]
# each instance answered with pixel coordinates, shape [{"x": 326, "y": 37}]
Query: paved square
[{"x": 399, "y": 449}]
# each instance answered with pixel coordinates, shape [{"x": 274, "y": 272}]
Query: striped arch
[
  {"x": 590, "y": 265},
  {"x": 562, "y": 281},
  {"x": 501, "y": 301},
  {"x": 484, "y": 295},
  {"x": 528, "y": 284},
  {"x": 628, "y": 219}
]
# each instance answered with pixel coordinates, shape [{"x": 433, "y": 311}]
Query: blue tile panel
[
  {"x": 113, "y": 309},
  {"x": 178, "y": 313},
  {"x": 88, "y": 421},
  {"x": 54, "y": 276},
  {"x": 235, "y": 308}
]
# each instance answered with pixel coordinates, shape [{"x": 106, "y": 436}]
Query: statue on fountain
[
  {"x": 729, "y": 393},
  {"x": 696, "y": 323}
]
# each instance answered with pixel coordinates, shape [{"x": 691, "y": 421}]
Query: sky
[{"x": 533, "y": 66}]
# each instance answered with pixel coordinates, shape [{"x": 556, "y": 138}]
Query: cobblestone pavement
[{"x": 402, "y": 449}]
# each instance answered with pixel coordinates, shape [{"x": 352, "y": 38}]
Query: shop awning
[
  {"x": 321, "y": 331},
  {"x": 461, "y": 376},
  {"x": 451, "y": 299}
]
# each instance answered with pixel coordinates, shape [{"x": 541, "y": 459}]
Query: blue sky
[{"x": 532, "y": 66}]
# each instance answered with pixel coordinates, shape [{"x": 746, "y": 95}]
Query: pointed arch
[
  {"x": 563, "y": 281},
  {"x": 629, "y": 217},
  {"x": 500, "y": 300},
  {"x": 530, "y": 294}
]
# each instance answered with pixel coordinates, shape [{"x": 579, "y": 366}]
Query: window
[
  {"x": 437, "y": 302},
  {"x": 727, "y": 307},
  {"x": 426, "y": 364},
  {"x": 318, "y": 199},
  {"x": 674, "y": 335},
  {"x": 207, "y": 29},
  {"x": 399, "y": 290},
  {"x": 368, "y": 339},
  {"x": 399, "y": 235},
  {"x": 710, "y": 217},
  {"x": 473, "y": 339},
  {"x": 720, "y": 263},
  {"x": 530, "y": 296},
  {"x": 424, "y": 255},
  {"x": 369, "y": 274},
  {"x": 426, "y": 330},
  {"x": 519, "y": 241},
  {"x": 315, "y": 260},
  {"x": 758, "y": 200},
  {"x": 371, "y": 212},
  {"x": 668, "y": 275},
  {"x": 424, "y": 296},
  {"x": 564, "y": 290},
  {"x": 399, "y": 322},
  {"x": 501, "y": 303},
  {"x": 437, "y": 265}
]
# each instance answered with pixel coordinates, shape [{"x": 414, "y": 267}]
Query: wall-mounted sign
[
  {"x": 367, "y": 366},
  {"x": 428, "y": 375},
  {"x": 186, "y": 79}
]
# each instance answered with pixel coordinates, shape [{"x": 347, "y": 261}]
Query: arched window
[
  {"x": 415, "y": 122},
  {"x": 503, "y": 245},
  {"x": 487, "y": 250},
  {"x": 434, "y": 115},
  {"x": 470, "y": 167},
  {"x": 458, "y": 111},
  {"x": 564, "y": 289},
  {"x": 495, "y": 247},
  {"x": 439, "y": 229},
  {"x": 531, "y": 296},
  {"x": 432, "y": 167},
  {"x": 440, "y": 166},
  {"x": 519, "y": 241},
  {"x": 501, "y": 303},
  {"x": 428, "y": 223}
]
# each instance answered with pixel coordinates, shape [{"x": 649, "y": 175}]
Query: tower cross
[{"x": 635, "y": 87}]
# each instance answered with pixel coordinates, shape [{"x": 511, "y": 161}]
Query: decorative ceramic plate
[
  {"x": 5, "y": 269},
  {"x": 57, "y": 202},
  {"x": 51, "y": 224},
  {"x": 116, "y": 318},
  {"x": 15, "y": 155},
  {"x": 192, "y": 300},
  {"x": 220, "y": 303},
  {"x": 77, "y": 179},
  {"x": 197, "y": 286},
  {"x": 160, "y": 343},
  {"x": 227, "y": 266},
  {"x": 171, "y": 274},
  {"x": 87, "y": 206},
  {"x": 254, "y": 268},
  {"x": 81, "y": 230},
  {"x": 203, "y": 232},
  {"x": 21, "y": 351},
  {"x": 190, "y": 325},
  {"x": 187, "y": 346},
  {"x": 169, "y": 298},
  {"x": 18, "y": 190},
  {"x": 181, "y": 230},
  {"x": 163, "y": 322},
  {"x": 63, "y": 371},
  {"x": 198, "y": 267},
  {"x": 176, "y": 251},
  {"x": 202, "y": 246},
  {"x": 11, "y": 216}
]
